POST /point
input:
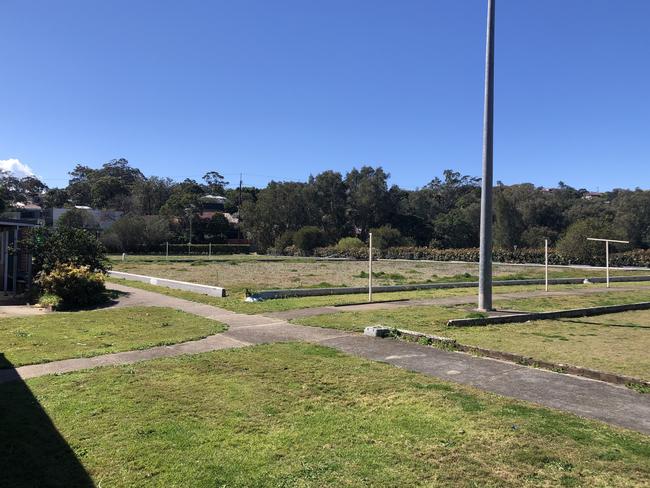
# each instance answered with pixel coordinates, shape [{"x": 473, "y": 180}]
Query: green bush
[
  {"x": 64, "y": 245},
  {"x": 575, "y": 247},
  {"x": 76, "y": 286},
  {"x": 308, "y": 238},
  {"x": 385, "y": 237},
  {"x": 350, "y": 243}
]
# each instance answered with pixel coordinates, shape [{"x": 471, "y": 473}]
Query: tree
[
  {"x": 215, "y": 183},
  {"x": 329, "y": 194},
  {"x": 309, "y": 238},
  {"x": 574, "y": 243},
  {"x": 217, "y": 228},
  {"x": 77, "y": 218},
  {"x": 64, "y": 245},
  {"x": 509, "y": 223},
  {"x": 385, "y": 237},
  {"x": 368, "y": 200},
  {"x": 55, "y": 198}
]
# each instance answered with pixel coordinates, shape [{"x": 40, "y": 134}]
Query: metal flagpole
[{"x": 485, "y": 259}]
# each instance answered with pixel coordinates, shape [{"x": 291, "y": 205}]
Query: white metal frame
[{"x": 607, "y": 241}]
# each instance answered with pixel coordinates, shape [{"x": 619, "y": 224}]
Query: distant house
[
  {"x": 15, "y": 262},
  {"x": 215, "y": 204},
  {"x": 104, "y": 218},
  {"x": 27, "y": 211},
  {"x": 592, "y": 195}
]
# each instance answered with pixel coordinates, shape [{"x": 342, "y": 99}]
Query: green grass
[
  {"x": 63, "y": 335},
  {"x": 617, "y": 343},
  {"x": 235, "y": 301},
  {"x": 296, "y": 415},
  {"x": 239, "y": 272}
]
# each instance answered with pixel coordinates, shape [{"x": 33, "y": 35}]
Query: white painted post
[
  {"x": 370, "y": 268},
  {"x": 607, "y": 261},
  {"x": 166, "y": 250},
  {"x": 189, "y": 245},
  {"x": 209, "y": 249},
  {"x": 607, "y": 241},
  {"x": 123, "y": 256},
  {"x": 546, "y": 263}
]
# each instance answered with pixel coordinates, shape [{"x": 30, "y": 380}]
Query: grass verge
[
  {"x": 296, "y": 415},
  {"x": 616, "y": 343},
  {"x": 64, "y": 335}
]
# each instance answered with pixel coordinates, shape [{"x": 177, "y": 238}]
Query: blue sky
[{"x": 283, "y": 89}]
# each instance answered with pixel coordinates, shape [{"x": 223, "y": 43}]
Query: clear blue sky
[{"x": 281, "y": 89}]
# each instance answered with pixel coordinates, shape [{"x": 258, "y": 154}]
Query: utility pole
[{"x": 485, "y": 260}]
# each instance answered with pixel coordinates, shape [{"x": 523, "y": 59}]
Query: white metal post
[
  {"x": 607, "y": 241},
  {"x": 209, "y": 249},
  {"x": 546, "y": 263},
  {"x": 370, "y": 268},
  {"x": 607, "y": 261},
  {"x": 166, "y": 250}
]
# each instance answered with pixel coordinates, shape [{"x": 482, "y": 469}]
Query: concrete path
[
  {"x": 586, "y": 398},
  {"x": 446, "y": 301}
]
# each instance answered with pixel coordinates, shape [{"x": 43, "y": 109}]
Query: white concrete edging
[{"x": 213, "y": 291}]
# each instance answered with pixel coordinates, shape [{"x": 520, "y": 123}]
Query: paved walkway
[{"x": 586, "y": 398}]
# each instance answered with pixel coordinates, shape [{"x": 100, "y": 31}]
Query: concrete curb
[
  {"x": 452, "y": 345},
  {"x": 214, "y": 291},
  {"x": 560, "y": 314},
  {"x": 314, "y": 292}
]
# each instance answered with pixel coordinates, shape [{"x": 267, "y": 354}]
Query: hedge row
[
  {"x": 517, "y": 256},
  {"x": 192, "y": 249}
]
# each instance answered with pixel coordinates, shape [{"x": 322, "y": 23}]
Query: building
[
  {"x": 15, "y": 262},
  {"x": 103, "y": 218}
]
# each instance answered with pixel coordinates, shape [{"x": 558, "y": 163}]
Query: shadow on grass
[
  {"x": 32, "y": 451},
  {"x": 607, "y": 324}
]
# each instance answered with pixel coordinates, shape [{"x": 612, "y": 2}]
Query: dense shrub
[
  {"x": 132, "y": 232},
  {"x": 516, "y": 256},
  {"x": 64, "y": 245},
  {"x": 350, "y": 243},
  {"x": 385, "y": 237},
  {"x": 308, "y": 238},
  {"x": 575, "y": 246},
  {"x": 76, "y": 286}
]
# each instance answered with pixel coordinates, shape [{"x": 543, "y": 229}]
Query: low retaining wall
[
  {"x": 314, "y": 292},
  {"x": 214, "y": 291},
  {"x": 453, "y": 345},
  {"x": 560, "y": 314}
]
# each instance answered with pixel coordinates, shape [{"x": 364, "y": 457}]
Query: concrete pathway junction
[{"x": 615, "y": 405}]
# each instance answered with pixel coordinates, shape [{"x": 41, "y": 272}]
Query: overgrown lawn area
[
  {"x": 63, "y": 335},
  {"x": 296, "y": 415},
  {"x": 238, "y": 272}
]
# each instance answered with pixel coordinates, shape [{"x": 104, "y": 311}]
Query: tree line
[{"x": 330, "y": 206}]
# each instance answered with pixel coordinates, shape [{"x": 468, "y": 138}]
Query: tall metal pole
[{"x": 485, "y": 262}]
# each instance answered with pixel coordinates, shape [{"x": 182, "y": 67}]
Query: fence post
[
  {"x": 167, "y": 250},
  {"x": 209, "y": 249},
  {"x": 546, "y": 263},
  {"x": 370, "y": 267}
]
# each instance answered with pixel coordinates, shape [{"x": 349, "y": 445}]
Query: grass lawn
[
  {"x": 63, "y": 335},
  {"x": 296, "y": 415},
  {"x": 616, "y": 343},
  {"x": 235, "y": 302},
  {"x": 237, "y": 272}
]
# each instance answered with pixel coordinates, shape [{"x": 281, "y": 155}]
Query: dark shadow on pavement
[{"x": 32, "y": 451}]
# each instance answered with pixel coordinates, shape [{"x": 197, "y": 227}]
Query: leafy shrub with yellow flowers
[{"x": 76, "y": 286}]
